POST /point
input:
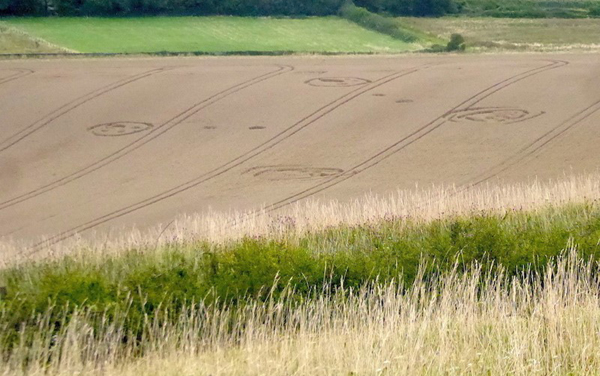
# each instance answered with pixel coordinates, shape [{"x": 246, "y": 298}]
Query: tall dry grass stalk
[
  {"x": 473, "y": 324},
  {"x": 313, "y": 215}
]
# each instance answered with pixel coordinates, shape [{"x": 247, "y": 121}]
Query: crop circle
[
  {"x": 491, "y": 115},
  {"x": 337, "y": 81},
  {"x": 120, "y": 128},
  {"x": 275, "y": 173}
]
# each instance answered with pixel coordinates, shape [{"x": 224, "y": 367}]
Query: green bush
[
  {"x": 594, "y": 10},
  {"x": 437, "y": 48},
  {"x": 409, "y": 7},
  {"x": 457, "y": 43}
]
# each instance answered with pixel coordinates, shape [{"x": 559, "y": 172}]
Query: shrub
[
  {"x": 409, "y": 7},
  {"x": 457, "y": 43},
  {"x": 436, "y": 48}
]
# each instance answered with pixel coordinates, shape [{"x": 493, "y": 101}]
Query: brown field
[{"x": 92, "y": 145}]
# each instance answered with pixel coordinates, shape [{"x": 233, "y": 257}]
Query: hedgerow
[
  {"x": 376, "y": 22},
  {"x": 141, "y": 281}
]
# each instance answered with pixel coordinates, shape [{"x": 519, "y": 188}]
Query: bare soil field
[{"x": 93, "y": 145}]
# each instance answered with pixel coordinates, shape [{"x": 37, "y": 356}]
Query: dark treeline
[
  {"x": 215, "y": 7},
  {"x": 409, "y": 7}
]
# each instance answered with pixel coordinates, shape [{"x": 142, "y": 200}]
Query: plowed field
[{"x": 90, "y": 145}]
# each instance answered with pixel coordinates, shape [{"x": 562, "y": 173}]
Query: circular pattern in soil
[
  {"x": 120, "y": 128},
  {"x": 337, "y": 81},
  {"x": 276, "y": 173},
  {"x": 492, "y": 115}
]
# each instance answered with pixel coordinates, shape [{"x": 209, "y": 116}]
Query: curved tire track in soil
[
  {"x": 530, "y": 150},
  {"x": 412, "y": 138},
  {"x": 537, "y": 145},
  {"x": 20, "y": 73},
  {"x": 283, "y": 135},
  {"x": 153, "y": 134},
  {"x": 72, "y": 105}
]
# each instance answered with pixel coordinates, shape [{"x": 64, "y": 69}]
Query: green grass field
[
  {"x": 318, "y": 35},
  {"x": 207, "y": 34},
  {"x": 515, "y": 34}
]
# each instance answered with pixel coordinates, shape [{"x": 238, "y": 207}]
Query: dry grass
[
  {"x": 507, "y": 34},
  {"x": 314, "y": 216},
  {"x": 455, "y": 324},
  {"x": 13, "y": 41}
]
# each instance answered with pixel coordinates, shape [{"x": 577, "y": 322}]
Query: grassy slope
[
  {"x": 359, "y": 255},
  {"x": 208, "y": 34},
  {"x": 453, "y": 324},
  {"x": 531, "y": 34},
  {"x": 14, "y": 41}
]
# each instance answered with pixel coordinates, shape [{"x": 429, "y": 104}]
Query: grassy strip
[
  {"x": 208, "y": 35},
  {"x": 453, "y": 323},
  {"x": 140, "y": 282},
  {"x": 528, "y": 8}
]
